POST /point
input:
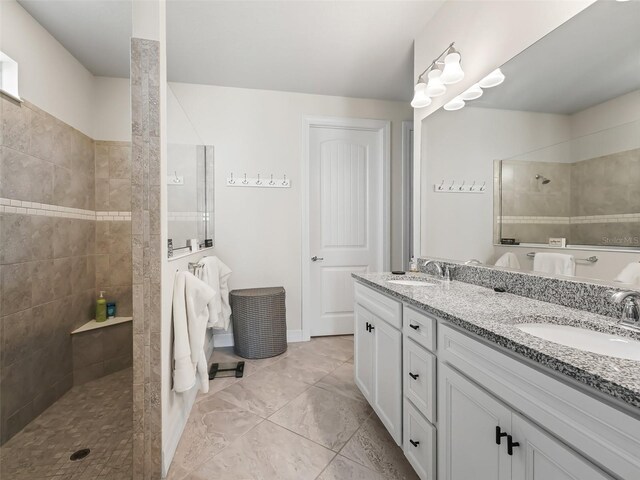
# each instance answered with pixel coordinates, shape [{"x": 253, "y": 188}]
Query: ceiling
[
  {"x": 344, "y": 48},
  {"x": 592, "y": 58}
]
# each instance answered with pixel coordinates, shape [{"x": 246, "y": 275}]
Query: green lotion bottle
[{"x": 101, "y": 308}]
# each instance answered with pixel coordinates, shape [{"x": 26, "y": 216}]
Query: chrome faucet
[
  {"x": 437, "y": 265},
  {"x": 630, "y": 301}
]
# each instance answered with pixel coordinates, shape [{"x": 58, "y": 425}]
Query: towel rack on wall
[
  {"x": 268, "y": 182},
  {"x": 463, "y": 187},
  {"x": 592, "y": 259},
  {"x": 194, "y": 267}
]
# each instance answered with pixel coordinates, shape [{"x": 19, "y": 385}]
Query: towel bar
[{"x": 592, "y": 259}]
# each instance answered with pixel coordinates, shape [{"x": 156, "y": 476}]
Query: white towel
[
  {"x": 216, "y": 274},
  {"x": 191, "y": 297},
  {"x": 630, "y": 274},
  {"x": 555, "y": 263},
  {"x": 508, "y": 260}
]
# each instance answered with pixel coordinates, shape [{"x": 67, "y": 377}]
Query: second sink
[{"x": 584, "y": 339}]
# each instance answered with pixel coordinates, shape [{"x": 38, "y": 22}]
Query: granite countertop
[{"x": 494, "y": 316}]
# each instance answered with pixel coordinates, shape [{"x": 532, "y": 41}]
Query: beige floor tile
[
  {"x": 263, "y": 394},
  {"x": 305, "y": 366},
  {"x": 323, "y": 417},
  {"x": 213, "y": 424},
  {"x": 268, "y": 452},
  {"x": 338, "y": 347},
  {"x": 341, "y": 468},
  {"x": 373, "y": 447},
  {"x": 341, "y": 381}
]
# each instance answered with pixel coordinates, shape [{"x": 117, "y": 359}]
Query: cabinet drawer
[
  {"x": 420, "y": 378},
  {"x": 419, "y": 442},
  {"x": 386, "y": 308},
  {"x": 420, "y": 327}
]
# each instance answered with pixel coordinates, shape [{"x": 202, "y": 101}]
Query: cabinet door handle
[
  {"x": 415, "y": 444},
  {"x": 414, "y": 375},
  {"x": 415, "y": 327},
  {"x": 366, "y": 326},
  {"x": 371, "y": 327},
  {"x": 316, "y": 258},
  {"x": 499, "y": 435},
  {"x": 511, "y": 444}
]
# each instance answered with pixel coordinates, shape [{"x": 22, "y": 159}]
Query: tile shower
[{"x": 65, "y": 233}]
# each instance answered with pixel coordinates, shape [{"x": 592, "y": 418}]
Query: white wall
[
  {"x": 258, "y": 231},
  {"x": 111, "y": 109},
  {"x": 488, "y": 34},
  {"x": 49, "y": 76}
]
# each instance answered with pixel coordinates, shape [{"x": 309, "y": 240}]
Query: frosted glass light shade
[
  {"x": 435, "y": 87},
  {"x": 471, "y": 93},
  {"x": 420, "y": 98},
  {"x": 455, "y": 104},
  {"x": 452, "y": 72},
  {"x": 493, "y": 79}
]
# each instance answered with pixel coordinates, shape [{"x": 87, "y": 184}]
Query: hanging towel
[
  {"x": 191, "y": 297},
  {"x": 555, "y": 263},
  {"x": 630, "y": 274},
  {"x": 508, "y": 260},
  {"x": 216, "y": 274}
]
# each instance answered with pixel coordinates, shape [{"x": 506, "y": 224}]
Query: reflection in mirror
[{"x": 561, "y": 140}]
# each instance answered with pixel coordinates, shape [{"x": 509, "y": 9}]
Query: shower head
[{"x": 545, "y": 180}]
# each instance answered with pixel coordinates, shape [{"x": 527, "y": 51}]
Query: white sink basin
[
  {"x": 412, "y": 283},
  {"x": 587, "y": 340}
]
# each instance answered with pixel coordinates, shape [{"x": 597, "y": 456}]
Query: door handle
[
  {"x": 499, "y": 435},
  {"x": 414, "y": 375},
  {"x": 511, "y": 444},
  {"x": 316, "y": 258},
  {"x": 415, "y": 444},
  {"x": 415, "y": 327},
  {"x": 366, "y": 327}
]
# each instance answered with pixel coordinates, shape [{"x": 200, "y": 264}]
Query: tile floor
[
  {"x": 297, "y": 416},
  {"x": 96, "y": 415}
]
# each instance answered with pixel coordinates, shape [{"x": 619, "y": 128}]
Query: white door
[
  {"x": 540, "y": 457},
  {"x": 363, "y": 352},
  {"x": 346, "y": 209},
  {"x": 468, "y": 417},
  {"x": 388, "y": 377}
]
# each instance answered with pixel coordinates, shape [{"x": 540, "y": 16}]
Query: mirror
[
  {"x": 559, "y": 142},
  {"x": 190, "y": 183}
]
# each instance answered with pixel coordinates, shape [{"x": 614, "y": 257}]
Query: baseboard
[{"x": 226, "y": 339}]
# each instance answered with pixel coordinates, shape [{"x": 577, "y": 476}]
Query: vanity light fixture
[
  {"x": 450, "y": 73},
  {"x": 420, "y": 97},
  {"x": 456, "y": 104},
  {"x": 471, "y": 93},
  {"x": 494, "y": 79}
]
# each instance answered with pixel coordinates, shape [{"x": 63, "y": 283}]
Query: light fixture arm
[{"x": 438, "y": 61}]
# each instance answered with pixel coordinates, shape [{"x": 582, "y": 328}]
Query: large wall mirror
[{"x": 559, "y": 143}]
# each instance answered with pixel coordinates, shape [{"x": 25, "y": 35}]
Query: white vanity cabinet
[
  {"x": 463, "y": 408},
  {"x": 378, "y": 356}
]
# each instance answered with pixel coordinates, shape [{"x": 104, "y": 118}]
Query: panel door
[
  {"x": 388, "y": 377},
  {"x": 539, "y": 456},
  {"x": 345, "y": 208},
  {"x": 467, "y": 421}
]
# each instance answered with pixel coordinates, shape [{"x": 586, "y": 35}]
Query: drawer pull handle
[
  {"x": 499, "y": 435},
  {"x": 415, "y": 327},
  {"x": 415, "y": 444},
  {"x": 414, "y": 375},
  {"x": 511, "y": 444}
]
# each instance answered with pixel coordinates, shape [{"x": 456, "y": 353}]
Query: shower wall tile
[
  {"x": 146, "y": 256},
  {"x": 48, "y": 264}
]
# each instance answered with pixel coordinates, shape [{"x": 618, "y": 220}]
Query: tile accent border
[
  {"x": 21, "y": 207},
  {"x": 579, "y": 294},
  {"x": 616, "y": 218},
  {"x": 146, "y": 254}
]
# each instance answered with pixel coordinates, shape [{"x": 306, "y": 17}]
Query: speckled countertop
[{"x": 494, "y": 317}]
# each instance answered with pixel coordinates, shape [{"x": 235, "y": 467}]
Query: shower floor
[{"x": 96, "y": 415}]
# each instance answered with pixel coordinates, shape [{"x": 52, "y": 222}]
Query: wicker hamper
[{"x": 259, "y": 322}]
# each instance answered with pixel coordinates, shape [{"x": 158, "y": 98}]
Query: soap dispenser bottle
[{"x": 101, "y": 308}]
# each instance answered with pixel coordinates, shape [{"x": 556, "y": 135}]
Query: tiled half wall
[{"x": 58, "y": 246}]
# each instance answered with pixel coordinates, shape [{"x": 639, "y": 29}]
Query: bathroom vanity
[{"x": 469, "y": 391}]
